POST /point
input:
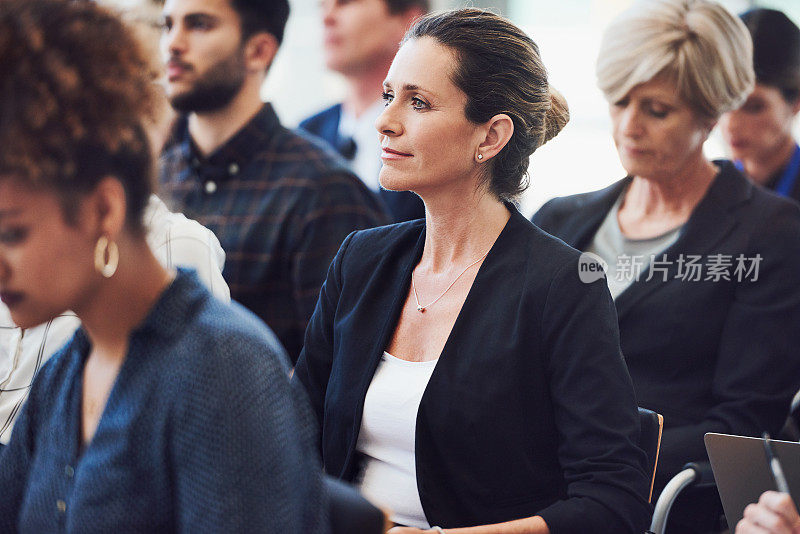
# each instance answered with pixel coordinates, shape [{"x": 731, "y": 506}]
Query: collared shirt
[
  {"x": 174, "y": 240},
  {"x": 202, "y": 432},
  {"x": 366, "y": 162},
  {"x": 280, "y": 204},
  {"x": 784, "y": 181},
  {"x": 788, "y": 177}
]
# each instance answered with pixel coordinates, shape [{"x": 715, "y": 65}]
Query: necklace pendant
[{"x": 421, "y": 309}]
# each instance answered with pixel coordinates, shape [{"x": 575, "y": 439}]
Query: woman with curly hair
[{"x": 144, "y": 421}]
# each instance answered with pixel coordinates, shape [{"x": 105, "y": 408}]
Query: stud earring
[{"x": 480, "y": 157}]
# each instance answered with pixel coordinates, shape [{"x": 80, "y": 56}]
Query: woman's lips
[
  {"x": 11, "y": 298},
  {"x": 634, "y": 151},
  {"x": 388, "y": 153}
]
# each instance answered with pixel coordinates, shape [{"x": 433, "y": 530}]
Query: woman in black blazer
[
  {"x": 463, "y": 372},
  {"x": 710, "y": 329}
]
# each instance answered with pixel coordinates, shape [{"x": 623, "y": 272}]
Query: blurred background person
[
  {"x": 361, "y": 37},
  {"x": 759, "y": 133},
  {"x": 709, "y": 346},
  {"x": 168, "y": 410},
  {"x": 174, "y": 240},
  {"x": 462, "y": 373},
  {"x": 278, "y": 201}
]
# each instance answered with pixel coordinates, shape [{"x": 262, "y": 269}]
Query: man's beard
[{"x": 215, "y": 89}]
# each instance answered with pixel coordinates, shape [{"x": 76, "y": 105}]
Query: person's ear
[
  {"x": 496, "y": 134},
  {"x": 108, "y": 206},
  {"x": 259, "y": 51},
  {"x": 796, "y": 106}
]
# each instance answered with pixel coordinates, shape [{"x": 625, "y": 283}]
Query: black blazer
[
  {"x": 402, "y": 205},
  {"x": 711, "y": 356},
  {"x": 529, "y": 410}
]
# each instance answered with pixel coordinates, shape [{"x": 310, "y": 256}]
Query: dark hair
[
  {"x": 400, "y": 6},
  {"x": 262, "y": 16},
  {"x": 500, "y": 71},
  {"x": 75, "y": 89},
  {"x": 776, "y": 50}
]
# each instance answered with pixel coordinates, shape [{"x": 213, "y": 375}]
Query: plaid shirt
[{"x": 280, "y": 204}]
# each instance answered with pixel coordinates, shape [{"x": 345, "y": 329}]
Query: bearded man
[{"x": 279, "y": 202}]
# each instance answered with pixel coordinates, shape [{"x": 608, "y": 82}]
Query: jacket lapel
[
  {"x": 392, "y": 290},
  {"x": 578, "y": 232},
  {"x": 329, "y": 125},
  {"x": 710, "y": 223}
]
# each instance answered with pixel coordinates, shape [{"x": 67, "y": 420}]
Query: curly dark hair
[{"x": 76, "y": 88}]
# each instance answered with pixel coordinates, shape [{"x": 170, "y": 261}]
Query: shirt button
[
  {"x": 69, "y": 471},
  {"x": 61, "y": 506},
  {"x": 210, "y": 187},
  {"x": 233, "y": 169}
]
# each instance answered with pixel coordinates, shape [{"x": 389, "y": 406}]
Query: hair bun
[{"x": 557, "y": 115}]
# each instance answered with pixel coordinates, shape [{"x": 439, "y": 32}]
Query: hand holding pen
[
  {"x": 775, "y": 512},
  {"x": 775, "y": 465}
]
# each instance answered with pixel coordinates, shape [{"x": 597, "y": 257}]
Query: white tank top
[{"x": 386, "y": 439}]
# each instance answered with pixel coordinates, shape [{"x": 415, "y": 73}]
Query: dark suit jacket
[
  {"x": 711, "y": 356},
  {"x": 529, "y": 410},
  {"x": 403, "y": 205}
]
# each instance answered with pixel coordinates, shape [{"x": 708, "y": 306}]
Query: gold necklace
[{"x": 421, "y": 308}]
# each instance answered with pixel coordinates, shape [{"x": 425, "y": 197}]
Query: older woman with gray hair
[{"x": 704, "y": 266}]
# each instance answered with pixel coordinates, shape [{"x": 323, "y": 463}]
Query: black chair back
[
  {"x": 349, "y": 512},
  {"x": 651, "y": 424}
]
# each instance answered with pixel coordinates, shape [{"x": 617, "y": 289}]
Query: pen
[{"x": 775, "y": 465}]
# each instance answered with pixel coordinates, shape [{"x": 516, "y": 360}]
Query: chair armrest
[{"x": 693, "y": 474}]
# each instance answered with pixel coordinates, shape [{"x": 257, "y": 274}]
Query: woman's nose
[
  {"x": 630, "y": 122},
  {"x": 387, "y": 123}
]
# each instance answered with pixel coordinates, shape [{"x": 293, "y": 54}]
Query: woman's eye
[
  {"x": 753, "y": 107},
  {"x": 418, "y": 103},
  {"x": 12, "y": 236},
  {"x": 621, "y": 103},
  {"x": 387, "y": 98}
]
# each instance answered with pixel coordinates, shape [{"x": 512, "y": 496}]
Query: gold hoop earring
[{"x": 105, "y": 247}]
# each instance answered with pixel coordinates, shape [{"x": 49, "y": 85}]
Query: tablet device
[{"x": 742, "y": 472}]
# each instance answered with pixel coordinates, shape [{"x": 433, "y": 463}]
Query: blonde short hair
[{"x": 698, "y": 44}]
